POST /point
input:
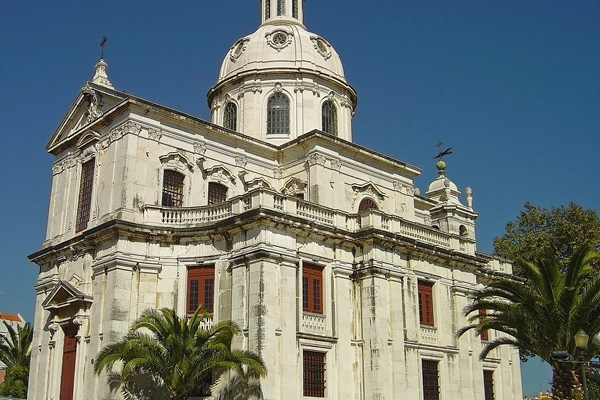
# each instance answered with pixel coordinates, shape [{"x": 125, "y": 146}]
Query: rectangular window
[
  {"x": 217, "y": 193},
  {"x": 313, "y": 373},
  {"x": 267, "y": 9},
  {"x": 295, "y": 9},
  {"x": 431, "y": 385},
  {"x": 488, "y": 384},
  {"x": 200, "y": 288},
  {"x": 84, "y": 205},
  {"x": 312, "y": 288},
  {"x": 426, "y": 303},
  {"x": 172, "y": 193},
  {"x": 484, "y": 334}
]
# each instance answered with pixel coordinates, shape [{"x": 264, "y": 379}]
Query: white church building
[{"x": 346, "y": 278}]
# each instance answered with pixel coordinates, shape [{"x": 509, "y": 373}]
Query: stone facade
[{"x": 117, "y": 244}]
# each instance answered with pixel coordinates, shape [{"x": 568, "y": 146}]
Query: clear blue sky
[{"x": 512, "y": 85}]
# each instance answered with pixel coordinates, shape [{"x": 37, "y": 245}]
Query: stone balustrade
[{"x": 268, "y": 199}]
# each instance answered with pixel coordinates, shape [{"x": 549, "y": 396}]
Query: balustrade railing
[{"x": 268, "y": 199}]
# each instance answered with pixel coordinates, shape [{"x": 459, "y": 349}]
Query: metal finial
[{"x": 104, "y": 40}]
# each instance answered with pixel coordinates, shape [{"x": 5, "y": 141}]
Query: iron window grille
[
  {"x": 217, "y": 193},
  {"x": 488, "y": 384},
  {"x": 314, "y": 373},
  {"x": 431, "y": 386},
  {"x": 172, "y": 193},
  {"x": 85, "y": 195},
  {"x": 267, "y": 9},
  {"x": 280, "y": 7},
  {"x": 295, "y": 9}
]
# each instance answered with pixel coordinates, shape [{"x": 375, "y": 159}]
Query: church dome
[
  {"x": 283, "y": 81},
  {"x": 281, "y": 47}
]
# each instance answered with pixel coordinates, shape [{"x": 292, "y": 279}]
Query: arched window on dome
[
  {"x": 230, "y": 116},
  {"x": 267, "y": 9},
  {"x": 329, "y": 118},
  {"x": 280, "y": 8},
  {"x": 295, "y": 9},
  {"x": 278, "y": 115},
  {"x": 367, "y": 204}
]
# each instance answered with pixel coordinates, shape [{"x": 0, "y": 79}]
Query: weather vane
[
  {"x": 104, "y": 39},
  {"x": 442, "y": 153}
]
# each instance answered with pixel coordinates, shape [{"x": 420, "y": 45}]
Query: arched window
[
  {"x": 217, "y": 193},
  {"x": 230, "y": 116},
  {"x": 295, "y": 9},
  {"x": 278, "y": 115},
  {"x": 280, "y": 7},
  {"x": 267, "y": 9},
  {"x": 329, "y": 118},
  {"x": 367, "y": 204},
  {"x": 172, "y": 191}
]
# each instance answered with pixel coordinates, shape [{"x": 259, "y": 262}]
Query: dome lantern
[{"x": 274, "y": 11}]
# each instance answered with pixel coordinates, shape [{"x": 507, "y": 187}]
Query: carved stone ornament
[
  {"x": 216, "y": 104},
  {"x": 154, "y": 134},
  {"x": 316, "y": 158},
  {"x": 367, "y": 189},
  {"x": 335, "y": 164},
  {"x": 258, "y": 183},
  {"x": 241, "y": 161},
  {"x": 346, "y": 102},
  {"x": 278, "y": 88},
  {"x": 294, "y": 186},
  {"x": 219, "y": 173},
  {"x": 53, "y": 327},
  {"x": 87, "y": 155},
  {"x": 322, "y": 47},
  {"x": 238, "y": 48},
  {"x": 94, "y": 103},
  {"x": 127, "y": 128},
  {"x": 66, "y": 163},
  {"x": 278, "y": 172},
  {"x": 176, "y": 161},
  {"x": 199, "y": 147},
  {"x": 279, "y": 39}
]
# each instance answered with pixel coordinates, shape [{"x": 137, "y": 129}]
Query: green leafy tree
[
  {"x": 539, "y": 231},
  {"x": 542, "y": 312},
  {"x": 178, "y": 357},
  {"x": 15, "y": 353}
]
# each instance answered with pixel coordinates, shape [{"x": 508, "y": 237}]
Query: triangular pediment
[
  {"x": 63, "y": 295},
  {"x": 91, "y": 104}
]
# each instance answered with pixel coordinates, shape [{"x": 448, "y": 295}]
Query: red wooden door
[{"x": 67, "y": 377}]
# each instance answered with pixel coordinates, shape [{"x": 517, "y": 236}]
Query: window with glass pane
[
  {"x": 217, "y": 193},
  {"x": 230, "y": 116},
  {"x": 488, "y": 384},
  {"x": 431, "y": 386},
  {"x": 84, "y": 205},
  {"x": 295, "y": 9},
  {"x": 278, "y": 115},
  {"x": 426, "y": 303},
  {"x": 367, "y": 204},
  {"x": 280, "y": 7},
  {"x": 201, "y": 288},
  {"x": 267, "y": 9},
  {"x": 312, "y": 288},
  {"x": 172, "y": 194},
  {"x": 313, "y": 373},
  {"x": 329, "y": 118}
]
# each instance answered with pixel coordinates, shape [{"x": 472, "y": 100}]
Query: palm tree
[
  {"x": 542, "y": 312},
  {"x": 15, "y": 353},
  {"x": 175, "y": 356}
]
